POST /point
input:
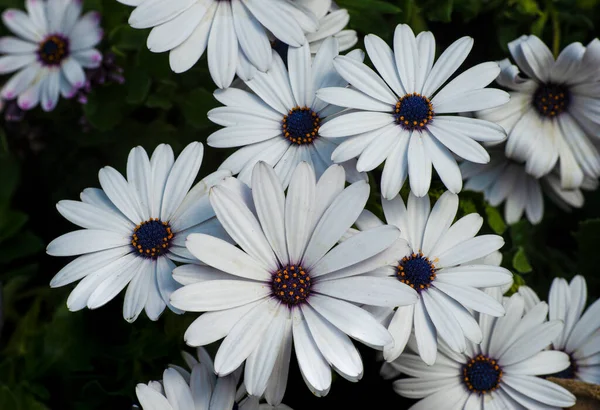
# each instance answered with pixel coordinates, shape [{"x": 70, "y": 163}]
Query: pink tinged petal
[
  {"x": 50, "y": 90},
  {"x": 150, "y": 399},
  {"x": 14, "y": 62},
  {"x": 540, "y": 390},
  {"x": 270, "y": 206},
  {"x": 313, "y": 366},
  {"x": 472, "y": 298},
  {"x": 31, "y": 96},
  {"x": 137, "y": 292},
  {"x": 21, "y": 81},
  {"x": 86, "y": 33},
  {"x": 336, "y": 220},
  {"x": 242, "y": 226},
  {"x": 181, "y": 178},
  {"x": 222, "y": 46},
  {"x": 218, "y": 295},
  {"x": 425, "y": 333},
  {"x": 86, "y": 241},
  {"x": 261, "y": 362},
  {"x": 154, "y": 12},
  {"x": 282, "y": 24},
  {"x": 382, "y": 57},
  {"x": 116, "y": 282},
  {"x": 364, "y": 79},
  {"x": 86, "y": 265},
  {"x": 299, "y": 209},
  {"x": 172, "y": 33},
  {"x": 244, "y": 337},
  {"x": 447, "y": 64},
  {"x": 212, "y": 326},
  {"x": 120, "y": 194},
  {"x": 334, "y": 345},
  {"x": 352, "y": 320},
  {"x": 21, "y": 24},
  {"x": 92, "y": 217},
  {"x": 354, "y": 250},
  {"x": 90, "y": 58}
]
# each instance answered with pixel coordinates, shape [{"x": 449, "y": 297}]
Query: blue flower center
[
  {"x": 569, "y": 372},
  {"x": 482, "y": 374},
  {"x": 551, "y": 99},
  {"x": 152, "y": 238},
  {"x": 53, "y": 50},
  {"x": 413, "y": 112},
  {"x": 291, "y": 285},
  {"x": 301, "y": 126},
  {"x": 416, "y": 271}
]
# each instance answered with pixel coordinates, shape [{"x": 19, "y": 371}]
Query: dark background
[{"x": 51, "y": 358}]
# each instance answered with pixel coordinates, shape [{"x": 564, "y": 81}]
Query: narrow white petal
[{"x": 218, "y": 295}]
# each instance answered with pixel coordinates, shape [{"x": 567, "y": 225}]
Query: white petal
[
  {"x": 425, "y": 334},
  {"x": 137, "y": 293},
  {"x": 113, "y": 284},
  {"x": 368, "y": 290},
  {"x": 545, "y": 362},
  {"x": 355, "y": 123},
  {"x": 222, "y": 46},
  {"x": 469, "y": 250},
  {"x": 419, "y": 166},
  {"x": 86, "y": 241},
  {"x": 218, "y": 295},
  {"x": 150, "y": 399},
  {"x": 177, "y": 390},
  {"x": 447, "y": 64},
  {"x": 382, "y": 57},
  {"x": 364, "y": 79},
  {"x": 472, "y": 298},
  {"x": 299, "y": 206},
  {"x": 540, "y": 390},
  {"x": 406, "y": 53}
]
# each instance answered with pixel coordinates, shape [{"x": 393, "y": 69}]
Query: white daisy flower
[
  {"x": 553, "y": 110},
  {"x": 398, "y": 114},
  {"x": 133, "y": 230},
  {"x": 442, "y": 263},
  {"x": 234, "y": 33},
  {"x": 500, "y": 373},
  {"x": 503, "y": 180},
  {"x": 332, "y": 22},
  {"x": 280, "y": 122},
  {"x": 53, "y": 47},
  {"x": 289, "y": 281},
  {"x": 580, "y": 338},
  {"x": 198, "y": 388}
]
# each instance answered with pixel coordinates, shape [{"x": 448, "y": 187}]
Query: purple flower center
[
  {"x": 482, "y": 374},
  {"x": 416, "y": 271},
  {"x": 152, "y": 238},
  {"x": 301, "y": 126},
  {"x": 413, "y": 112},
  {"x": 53, "y": 50},
  {"x": 291, "y": 285}
]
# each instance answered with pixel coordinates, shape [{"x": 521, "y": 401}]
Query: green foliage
[{"x": 51, "y": 358}]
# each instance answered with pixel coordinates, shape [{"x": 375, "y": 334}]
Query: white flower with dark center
[
  {"x": 332, "y": 22},
  {"x": 503, "y": 180},
  {"x": 290, "y": 280},
  {"x": 198, "y": 388},
  {"x": 279, "y": 123},
  {"x": 398, "y": 115},
  {"x": 133, "y": 230},
  {"x": 500, "y": 373},
  {"x": 580, "y": 338},
  {"x": 442, "y": 263},
  {"x": 234, "y": 33},
  {"x": 53, "y": 47},
  {"x": 553, "y": 110}
]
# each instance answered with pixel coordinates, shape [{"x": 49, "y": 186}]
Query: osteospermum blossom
[
  {"x": 332, "y": 22},
  {"x": 234, "y": 33},
  {"x": 289, "y": 281},
  {"x": 551, "y": 114},
  {"x": 580, "y": 338},
  {"x": 442, "y": 263},
  {"x": 506, "y": 181},
  {"x": 398, "y": 113},
  {"x": 198, "y": 388},
  {"x": 500, "y": 373},
  {"x": 133, "y": 230},
  {"x": 279, "y": 123},
  {"x": 53, "y": 47}
]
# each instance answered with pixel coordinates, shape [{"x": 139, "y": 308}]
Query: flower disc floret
[
  {"x": 301, "y": 125},
  {"x": 413, "y": 111},
  {"x": 291, "y": 285},
  {"x": 416, "y": 271},
  {"x": 152, "y": 238},
  {"x": 482, "y": 374},
  {"x": 551, "y": 100},
  {"x": 53, "y": 50}
]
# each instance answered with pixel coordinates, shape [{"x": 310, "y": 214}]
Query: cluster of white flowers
[{"x": 271, "y": 258}]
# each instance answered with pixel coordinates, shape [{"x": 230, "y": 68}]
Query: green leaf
[
  {"x": 20, "y": 246},
  {"x": 494, "y": 220},
  {"x": 520, "y": 262},
  {"x": 106, "y": 107},
  {"x": 442, "y": 11},
  {"x": 11, "y": 222},
  {"x": 196, "y": 105},
  {"x": 138, "y": 87}
]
